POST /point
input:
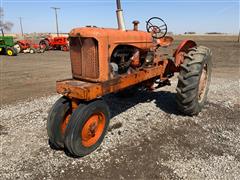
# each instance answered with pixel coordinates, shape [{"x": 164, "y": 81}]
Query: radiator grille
[{"x": 84, "y": 58}]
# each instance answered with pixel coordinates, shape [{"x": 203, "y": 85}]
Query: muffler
[{"x": 120, "y": 19}]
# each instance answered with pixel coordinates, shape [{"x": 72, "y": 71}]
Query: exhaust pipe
[{"x": 120, "y": 19}]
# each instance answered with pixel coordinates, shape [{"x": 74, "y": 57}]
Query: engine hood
[{"x": 139, "y": 39}]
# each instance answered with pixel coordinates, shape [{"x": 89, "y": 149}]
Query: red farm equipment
[
  {"x": 55, "y": 43},
  {"x": 29, "y": 46}
]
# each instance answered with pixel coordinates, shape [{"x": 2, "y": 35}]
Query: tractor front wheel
[
  {"x": 32, "y": 51},
  {"x": 87, "y": 128},
  {"x": 57, "y": 121},
  {"x": 194, "y": 80},
  {"x": 11, "y": 51}
]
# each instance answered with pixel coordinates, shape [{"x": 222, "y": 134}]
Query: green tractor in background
[{"x": 7, "y": 46}]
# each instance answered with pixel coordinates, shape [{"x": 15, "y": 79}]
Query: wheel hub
[
  {"x": 202, "y": 84},
  {"x": 93, "y": 129},
  {"x": 9, "y": 52}
]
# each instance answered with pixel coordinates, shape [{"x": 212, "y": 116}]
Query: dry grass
[{"x": 229, "y": 38}]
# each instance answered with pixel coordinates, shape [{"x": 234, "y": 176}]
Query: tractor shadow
[{"x": 164, "y": 100}]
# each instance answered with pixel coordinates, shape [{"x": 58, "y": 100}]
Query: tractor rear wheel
[
  {"x": 44, "y": 44},
  {"x": 11, "y": 51},
  {"x": 57, "y": 121},
  {"x": 194, "y": 80},
  {"x": 87, "y": 128}
]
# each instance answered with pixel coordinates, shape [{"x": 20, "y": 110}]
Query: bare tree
[
  {"x": 4, "y": 26},
  {"x": 239, "y": 36}
]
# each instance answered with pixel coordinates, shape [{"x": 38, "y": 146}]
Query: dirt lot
[
  {"x": 147, "y": 138},
  {"x": 28, "y": 76}
]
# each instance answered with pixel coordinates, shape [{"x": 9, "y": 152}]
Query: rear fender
[{"x": 182, "y": 49}]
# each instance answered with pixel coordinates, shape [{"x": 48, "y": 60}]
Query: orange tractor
[{"x": 108, "y": 61}]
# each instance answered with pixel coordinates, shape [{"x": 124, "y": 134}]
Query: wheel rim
[
  {"x": 65, "y": 123},
  {"x": 203, "y": 83},
  {"x": 9, "y": 52},
  {"x": 43, "y": 46},
  {"x": 93, "y": 129}
]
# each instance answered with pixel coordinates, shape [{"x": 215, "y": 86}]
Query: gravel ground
[{"x": 147, "y": 139}]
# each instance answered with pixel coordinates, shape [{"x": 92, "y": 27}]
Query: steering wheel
[{"x": 157, "y": 27}]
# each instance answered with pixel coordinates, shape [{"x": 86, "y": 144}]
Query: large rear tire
[
  {"x": 44, "y": 44},
  {"x": 10, "y": 51},
  {"x": 194, "y": 80},
  {"x": 57, "y": 121},
  {"x": 87, "y": 128}
]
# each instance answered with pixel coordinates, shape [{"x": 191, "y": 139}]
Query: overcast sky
[{"x": 181, "y": 15}]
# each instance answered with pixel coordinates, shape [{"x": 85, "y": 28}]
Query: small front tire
[
  {"x": 87, "y": 128},
  {"x": 57, "y": 120},
  {"x": 32, "y": 51}
]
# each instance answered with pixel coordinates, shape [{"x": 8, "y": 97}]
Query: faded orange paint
[
  {"x": 76, "y": 89},
  {"x": 87, "y": 89},
  {"x": 182, "y": 49},
  {"x": 108, "y": 40},
  {"x": 93, "y": 129}
]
